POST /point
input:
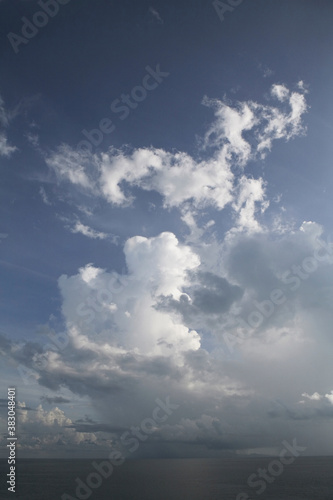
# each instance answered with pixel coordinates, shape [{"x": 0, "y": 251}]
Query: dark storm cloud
[
  {"x": 80, "y": 427},
  {"x": 95, "y": 385},
  {"x": 317, "y": 410},
  {"x": 85, "y": 420},
  {"x": 55, "y": 400},
  {"x": 210, "y": 295},
  {"x": 158, "y": 366},
  {"x": 215, "y": 295}
]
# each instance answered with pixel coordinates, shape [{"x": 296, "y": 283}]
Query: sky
[{"x": 166, "y": 243}]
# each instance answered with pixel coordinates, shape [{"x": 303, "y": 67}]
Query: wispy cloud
[
  {"x": 87, "y": 231},
  {"x": 44, "y": 196},
  {"x": 155, "y": 14},
  {"x": 265, "y": 70},
  {"x": 6, "y": 150},
  {"x": 33, "y": 139}
]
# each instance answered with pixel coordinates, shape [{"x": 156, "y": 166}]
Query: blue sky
[{"x": 144, "y": 248}]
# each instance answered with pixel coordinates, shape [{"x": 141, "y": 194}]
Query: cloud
[
  {"x": 95, "y": 427},
  {"x": 177, "y": 177},
  {"x": 329, "y": 397},
  {"x": 33, "y": 139},
  {"x": 207, "y": 296},
  {"x": 155, "y": 15},
  {"x": 5, "y": 149},
  {"x": 315, "y": 396},
  {"x": 71, "y": 166},
  {"x": 250, "y": 195},
  {"x": 282, "y": 125},
  {"x": 189, "y": 183},
  {"x": 159, "y": 328},
  {"x": 131, "y": 358},
  {"x": 280, "y": 92},
  {"x": 78, "y": 227},
  {"x": 55, "y": 400},
  {"x": 155, "y": 266},
  {"x": 5, "y": 117},
  {"x": 265, "y": 70},
  {"x": 42, "y": 430},
  {"x": 268, "y": 123},
  {"x": 87, "y": 231},
  {"x": 44, "y": 196},
  {"x": 318, "y": 397}
]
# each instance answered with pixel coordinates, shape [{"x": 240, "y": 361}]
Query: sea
[{"x": 308, "y": 478}]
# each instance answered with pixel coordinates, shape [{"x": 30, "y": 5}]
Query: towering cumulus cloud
[{"x": 207, "y": 313}]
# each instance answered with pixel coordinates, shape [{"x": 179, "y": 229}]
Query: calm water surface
[{"x": 308, "y": 478}]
